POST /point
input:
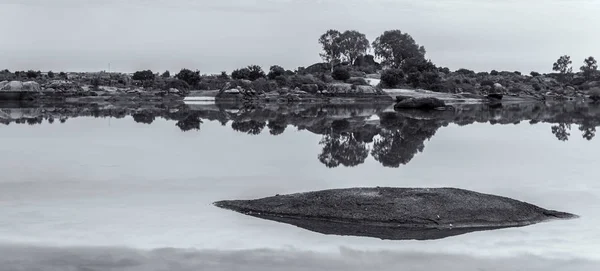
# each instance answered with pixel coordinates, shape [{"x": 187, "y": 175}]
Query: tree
[
  {"x": 190, "y": 77},
  {"x": 330, "y": 41},
  {"x": 62, "y": 75},
  {"x": 251, "y": 73},
  {"x": 146, "y": 75},
  {"x": 590, "y": 67},
  {"x": 166, "y": 74},
  {"x": 50, "y": 74},
  {"x": 562, "y": 65},
  {"x": 394, "y": 47},
  {"x": 353, "y": 44},
  {"x": 340, "y": 73},
  {"x": 275, "y": 71}
]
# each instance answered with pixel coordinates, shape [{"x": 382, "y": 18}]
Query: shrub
[
  {"x": 535, "y": 74},
  {"x": 62, "y": 75},
  {"x": 444, "y": 70},
  {"x": 283, "y": 81},
  {"x": 166, "y": 74},
  {"x": 143, "y": 75},
  {"x": 494, "y": 73},
  {"x": 537, "y": 87},
  {"x": 262, "y": 85},
  {"x": 465, "y": 72},
  {"x": 32, "y": 74},
  {"x": 341, "y": 74},
  {"x": 487, "y": 83},
  {"x": 359, "y": 81},
  {"x": 275, "y": 71},
  {"x": 224, "y": 75},
  {"x": 188, "y": 76},
  {"x": 392, "y": 77},
  {"x": 251, "y": 73},
  {"x": 483, "y": 74},
  {"x": 50, "y": 74},
  {"x": 517, "y": 73}
]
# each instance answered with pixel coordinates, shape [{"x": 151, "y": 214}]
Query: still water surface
[{"x": 100, "y": 182}]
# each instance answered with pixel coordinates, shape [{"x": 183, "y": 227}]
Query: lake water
[{"x": 101, "y": 193}]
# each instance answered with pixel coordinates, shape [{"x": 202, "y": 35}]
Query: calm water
[{"x": 82, "y": 186}]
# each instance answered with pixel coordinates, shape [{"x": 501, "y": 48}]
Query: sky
[{"x": 222, "y": 35}]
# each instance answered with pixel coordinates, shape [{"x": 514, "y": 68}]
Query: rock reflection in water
[{"x": 349, "y": 133}]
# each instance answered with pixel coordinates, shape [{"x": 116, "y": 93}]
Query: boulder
[
  {"x": 173, "y": 90},
  {"x": 18, "y": 86},
  {"x": 341, "y": 88},
  {"x": 427, "y": 103},
  {"x": 395, "y": 213},
  {"x": 59, "y": 85},
  {"x": 366, "y": 90},
  {"x": 310, "y": 88},
  {"x": 495, "y": 96}
]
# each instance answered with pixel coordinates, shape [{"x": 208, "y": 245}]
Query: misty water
[{"x": 142, "y": 182}]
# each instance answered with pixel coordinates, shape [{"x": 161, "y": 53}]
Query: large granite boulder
[
  {"x": 427, "y": 103},
  {"x": 395, "y": 213},
  {"x": 18, "y": 86}
]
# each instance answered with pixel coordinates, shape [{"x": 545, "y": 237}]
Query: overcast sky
[{"x": 216, "y": 35}]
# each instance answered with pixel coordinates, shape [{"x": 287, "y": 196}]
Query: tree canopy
[{"x": 395, "y": 47}]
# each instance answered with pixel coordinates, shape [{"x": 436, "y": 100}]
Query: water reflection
[{"x": 350, "y": 133}]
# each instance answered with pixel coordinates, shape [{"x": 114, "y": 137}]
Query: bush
[
  {"x": 537, "y": 87},
  {"x": 143, "y": 75},
  {"x": 341, "y": 74},
  {"x": 487, "y": 83},
  {"x": 517, "y": 73},
  {"x": 275, "y": 71},
  {"x": 535, "y": 74},
  {"x": 166, "y": 74},
  {"x": 392, "y": 77},
  {"x": 482, "y": 74},
  {"x": 62, "y": 75},
  {"x": 465, "y": 72},
  {"x": 262, "y": 85},
  {"x": 494, "y": 73},
  {"x": 359, "y": 81},
  {"x": 251, "y": 73},
  {"x": 188, "y": 76},
  {"x": 444, "y": 70},
  {"x": 32, "y": 74},
  {"x": 50, "y": 74}
]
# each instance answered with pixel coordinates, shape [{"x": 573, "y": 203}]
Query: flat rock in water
[{"x": 395, "y": 213}]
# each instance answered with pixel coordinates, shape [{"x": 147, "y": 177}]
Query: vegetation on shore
[{"x": 397, "y": 59}]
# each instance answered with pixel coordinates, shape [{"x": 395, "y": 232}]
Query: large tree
[
  {"x": 353, "y": 44},
  {"x": 563, "y": 66},
  {"x": 590, "y": 67},
  {"x": 395, "y": 47},
  {"x": 330, "y": 41}
]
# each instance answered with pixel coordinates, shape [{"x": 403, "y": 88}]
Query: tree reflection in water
[
  {"x": 342, "y": 149},
  {"x": 191, "y": 122},
  {"x": 347, "y": 131},
  {"x": 251, "y": 127}
]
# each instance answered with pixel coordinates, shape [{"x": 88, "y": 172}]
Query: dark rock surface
[
  {"x": 395, "y": 213},
  {"x": 428, "y": 103}
]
